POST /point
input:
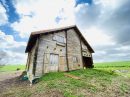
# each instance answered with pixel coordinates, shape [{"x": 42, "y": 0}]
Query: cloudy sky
[{"x": 104, "y": 23}]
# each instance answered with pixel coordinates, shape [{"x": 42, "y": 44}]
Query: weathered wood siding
[
  {"x": 49, "y": 46},
  {"x": 74, "y": 50},
  {"x": 85, "y": 50},
  {"x": 31, "y": 56}
]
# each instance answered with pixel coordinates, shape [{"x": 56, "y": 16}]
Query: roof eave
[{"x": 92, "y": 51}]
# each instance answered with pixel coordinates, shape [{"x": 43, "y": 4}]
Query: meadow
[
  {"x": 116, "y": 65},
  {"x": 104, "y": 80},
  {"x": 9, "y": 68}
]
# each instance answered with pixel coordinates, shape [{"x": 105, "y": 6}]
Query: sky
[{"x": 104, "y": 23}]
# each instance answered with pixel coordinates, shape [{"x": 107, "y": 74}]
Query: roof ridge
[{"x": 53, "y": 29}]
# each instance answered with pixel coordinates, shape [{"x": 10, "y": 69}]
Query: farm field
[
  {"x": 120, "y": 68},
  {"x": 104, "y": 80},
  {"x": 10, "y": 71},
  {"x": 9, "y": 68},
  {"x": 124, "y": 64}
]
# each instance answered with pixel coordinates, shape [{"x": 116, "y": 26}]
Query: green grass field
[
  {"x": 104, "y": 80},
  {"x": 120, "y": 68},
  {"x": 9, "y": 68},
  {"x": 123, "y": 64}
]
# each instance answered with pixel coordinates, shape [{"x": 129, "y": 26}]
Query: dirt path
[
  {"x": 12, "y": 80},
  {"x": 9, "y": 80},
  {"x": 9, "y": 75}
]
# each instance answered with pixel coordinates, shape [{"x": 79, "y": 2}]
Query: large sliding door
[{"x": 54, "y": 61}]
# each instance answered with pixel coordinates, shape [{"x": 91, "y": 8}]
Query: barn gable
[{"x": 34, "y": 35}]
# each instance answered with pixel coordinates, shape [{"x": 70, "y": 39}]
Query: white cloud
[
  {"x": 11, "y": 52},
  {"x": 105, "y": 26},
  {"x": 4, "y": 3},
  {"x": 7, "y": 41},
  {"x": 87, "y": 15},
  {"x": 110, "y": 4},
  {"x": 97, "y": 37},
  {"x": 12, "y": 58},
  {"x": 39, "y": 15},
  {"x": 3, "y": 15},
  {"x": 123, "y": 48},
  {"x": 104, "y": 23}
]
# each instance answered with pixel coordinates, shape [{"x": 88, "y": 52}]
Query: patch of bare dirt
[
  {"x": 11, "y": 81},
  {"x": 9, "y": 75},
  {"x": 14, "y": 81},
  {"x": 51, "y": 93}
]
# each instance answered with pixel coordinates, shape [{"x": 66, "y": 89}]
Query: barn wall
[
  {"x": 85, "y": 50},
  {"x": 47, "y": 46},
  {"x": 28, "y": 60},
  {"x": 31, "y": 59},
  {"x": 86, "y": 53},
  {"x": 74, "y": 50}
]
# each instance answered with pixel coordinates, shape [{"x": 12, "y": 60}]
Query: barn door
[{"x": 54, "y": 61}]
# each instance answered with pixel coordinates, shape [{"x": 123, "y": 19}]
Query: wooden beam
[
  {"x": 27, "y": 63},
  {"x": 29, "y": 57},
  {"x": 81, "y": 52},
  {"x": 66, "y": 51},
  {"x": 35, "y": 56}
]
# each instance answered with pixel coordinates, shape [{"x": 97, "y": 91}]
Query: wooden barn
[{"x": 53, "y": 50}]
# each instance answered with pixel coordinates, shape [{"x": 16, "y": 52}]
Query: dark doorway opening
[{"x": 87, "y": 61}]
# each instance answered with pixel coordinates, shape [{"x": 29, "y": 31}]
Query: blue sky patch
[
  {"x": 83, "y": 1},
  {"x": 10, "y": 10}
]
